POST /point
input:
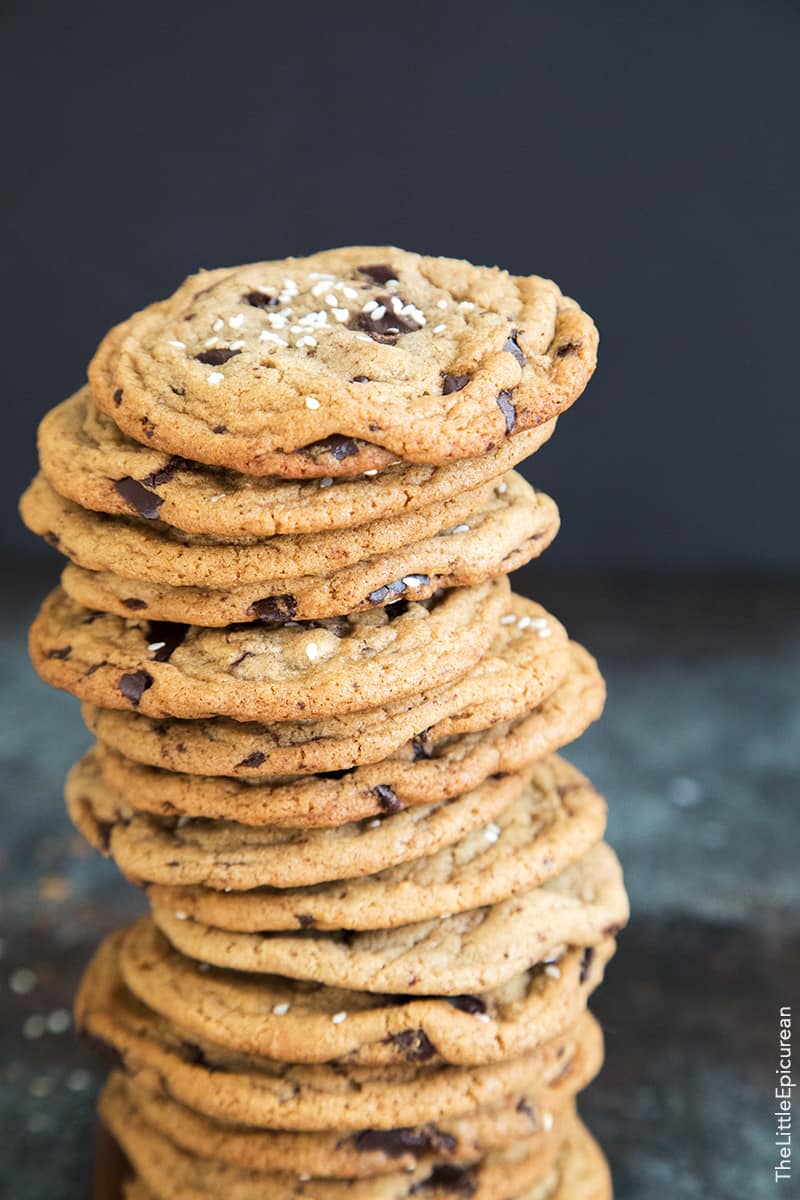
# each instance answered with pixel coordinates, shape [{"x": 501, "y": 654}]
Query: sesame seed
[
  {"x": 237, "y": 345},
  {"x": 341, "y": 314},
  {"x": 508, "y": 619},
  {"x": 370, "y": 306},
  {"x": 212, "y": 341},
  {"x": 280, "y": 1010},
  {"x": 218, "y": 324},
  {"x": 331, "y": 299},
  {"x": 397, "y": 304},
  {"x": 547, "y": 1121},
  {"x": 266, "y": 336},
  {"x": 545, "y": 633},
  {"x": 219, "y": 496},
  {"x": 312, "y": 651},
  {"x": 307, "y": 341},
  {"x": 374, "y": 823},
  {"x": 414, "y": 581},
  {"x": 439, "y": 328},
  {"x": 156, "y": 645},
  {"x": 22, "y": 982},
  {"x": 467, "y": 305},
  {"x": 304, "y": 1178},
  {"x": 539, "y": 622},
  {"x": 312, "y": 402},
  {"x": 501, "y": 489},
  {"x": 374, "y": 471},
  {"x": 350, "y": 293},
  {"x": 523, "y": 622},
  {"x": 552, "y": 971},
  {"x": 319, "y": 288},
  {"x": 216, "y": 377},
  {"x": 181, "y": 916},
  {"x": 34, "y": 1027},
  {"x": 363, "y": 337},
  {"x": 483, "y": 1017},
  {"x": 326, "y": 482},
  {"x": 441, "y": 304},
  {"x": 378, "y": 312},
  {"x": 492, "y": 832},
  {"x": 337, "y": 1018},
  {"x": 178, "y": 345},
  {"x": 460, "y": 529}
]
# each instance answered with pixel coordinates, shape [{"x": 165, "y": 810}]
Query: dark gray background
[{"x": 643, "y": 155}]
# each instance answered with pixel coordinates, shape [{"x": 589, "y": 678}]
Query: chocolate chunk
[
  {"x": 253, "y": 760},
  {"x": 220, "y": 429},
  {"x": 305, "y": 920},
  {"x": 141, "y": 499},
  {"x": 360, "y": 379},
  {"x": 387, "y": 798},
  {"x": 568, "y": 348},
  {"x": 52, "y": 539},
  {"x": 336, "y": 445},
  {"x": 194, "y": 1054},
  {"x": 133, "y": 603},
  {"x": 167, "y": 472},
  {"x": 170, "y": 633},
  {"x": 134, "y": 685},
  {"x": 453, "y": 383},
  {"x": 398, "y": 608},
  {"x": 118, "y": 397},
  {"x": 415, "y": 1044},
  {"x": 389, "y": 323},
  {"x": 277, "y": 609},
  {"x": 419, "y": 745},
  {"x": 216, "y": 356},
  {"x": 467, "y": 1004},
  {"x": 380, "y": 273},
  {"x": 394, "y": 1143},
  {"x": 389, "y": 589},
  {"x": 148, "y": 427},
  {"x": 524, "y": 1107},
  {"x": 512, "y": 347},
  {"x": 94, "y": 667},
  {"x": 507, "y": 409},
  {"x": 64, "y": 652},
  {"x": 586, "y": 964},
  {"x": 460, "y": 1181},
  {"x": 260, "y": 300}
]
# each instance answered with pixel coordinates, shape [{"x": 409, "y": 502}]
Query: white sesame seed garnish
[
  {"x": 483, "y": 1017},
  {"x": 177, "y": 345},
  {"x": 501, "y": 489},
  {"x": 349, "y": 293},
  {"x": 237, "y": 345},
  {"x": 508, "y": 619},
  {"x": 34, "y": 1027},
  {"x": 374, "y": 823},
  {"x": 216, "y": 377},
  {"x": 181, "y": 916},
  {"x": 320, "y": 287},
  {"x": 304, "y": 1178},
  {"x": 307, "y": 341},
  {"x": 209, "y": 342},
  {"x": 22, "y": 982},
  {"x": 439, "y": 328},
  {"x": 414, "y": 581},
  {"x": 266, "y": 336},
  {"x": 545, "y": 633},
  {"x": 374, "y": 471},
  {"x": 467, "y": 305},
  {"x": 397, "y": 304},
  {"x": 363, "y": 337},
  {"x": 460, "y": 529},
  {"x": 156, "y": 645},
  {"x": 341, "y": 314},
  {"x": 312, "y": 402},
  {"x": 547, "y": 1121},
  {"x": 523, "y": 622},
  {"x": 236, "y": 321},
  {"x": 280, "y": 1010},
  {"x": 370, "y": 306},
  {"x": 441, "y": 304},
  {"x": 326, "y": 482},
  {"x": 312, "y": 651},
  {"x": 331, "y": 299},
  {"x": 219, "y": 496},
  {"x": 378, "y": 312},
  {"x": 552, "y": 971},
  {"x": 539, "y": 622},
  {"x": 337, "y": 1018},
  {"x": 218, "y": 325},
  {"x": 492, "y": 832},
  {"x": 59, "y": 1021}
]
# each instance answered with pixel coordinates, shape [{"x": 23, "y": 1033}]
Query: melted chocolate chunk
[
  {"x": 305, "y": 920},
  {"x": 144, "y": 502},
  {"x": 64, "y": 652},
  {"x": 389, "y": 589},
  {"x": 460, "y": 1181},
  {"x": 118, "y": 397},
  {"x": 216, "y": 356},
  {"x": 276, "y": 609},
  {"x": 586, "y": 964},
  {"x": 260, "y": 300},
  {"x": 336, "y": 445},
  {"x": 195, "y": 1055},
  {"x": 419, "y": 745},
  {"x": 397, "y": 609},
  {"x": 380, "y": 273},
  {"x": 134, "y": 684},
  {"x": 467, "y": 1004},
  {"x": 133, "y": 603},
  {"x": 524, "y": 1107},
  {"x": 168, "y": 632},
  {"x": 220, "y": 429},
  {"x": 415, "y": 1044},
  {"x": 568, "y": 348},
  {"x": 512, "y": 347},
  {"x": 387, "y": 798},
  {"x": 394, "y": 1143},
  {"x": 167, "y": 472},
  {"x": 94, "y": 667},
  {"x": 335, "y": 774},
  {"x": 507, "y": 409},
  {"x": 386, "y": 323},
  {"x": 453, "y": 383},
  {"x": 253, "y": 760},
  {"x": 148, "y": 427}
]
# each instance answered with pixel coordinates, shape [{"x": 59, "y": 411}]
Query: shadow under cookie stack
[{"x": 327, "y": 733}]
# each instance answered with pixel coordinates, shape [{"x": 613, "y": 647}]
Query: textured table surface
[{"x": 698, "y": 756}]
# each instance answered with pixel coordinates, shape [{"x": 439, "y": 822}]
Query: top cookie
[{"x": 344, "y": 361}]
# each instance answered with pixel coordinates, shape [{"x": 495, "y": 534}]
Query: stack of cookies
[{"x": 327, "y": 734}]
